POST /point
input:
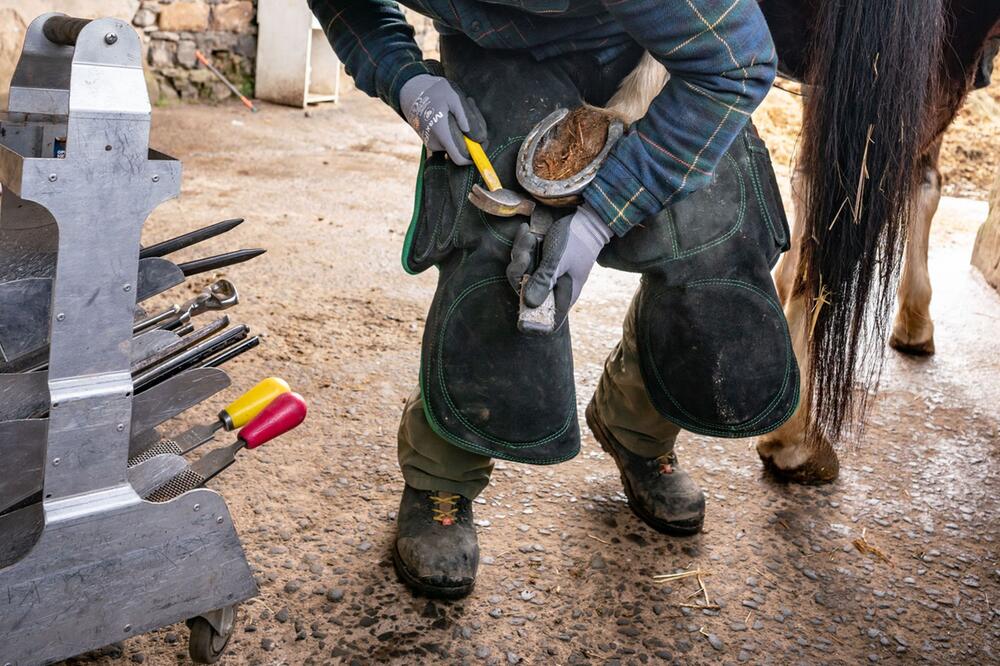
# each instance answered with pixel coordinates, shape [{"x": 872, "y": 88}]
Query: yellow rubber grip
[
  {"x": 482, "y": 163},
  {"x": 240, "y": 411}
]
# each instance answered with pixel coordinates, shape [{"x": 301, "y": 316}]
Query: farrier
[{"x": 686, "y": 197}]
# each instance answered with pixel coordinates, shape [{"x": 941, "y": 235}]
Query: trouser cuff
[{"x": 423, "y": 481}]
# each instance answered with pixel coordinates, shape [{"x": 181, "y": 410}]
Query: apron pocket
[{"x": 429, "y": 237}]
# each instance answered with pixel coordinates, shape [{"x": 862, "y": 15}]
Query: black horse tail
[{"x": 873, "y": 68}]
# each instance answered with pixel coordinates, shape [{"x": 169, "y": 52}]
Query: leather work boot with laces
[
  {"x": 664, "y": 497},
  {"x": 436, "y": 551}
]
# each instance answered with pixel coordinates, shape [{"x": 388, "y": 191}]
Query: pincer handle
[
  {"x": 284, "y": 413},
  {"x": 240, "y": 411}
]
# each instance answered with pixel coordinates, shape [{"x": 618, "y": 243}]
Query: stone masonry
[{"x": 225, "y": 31}]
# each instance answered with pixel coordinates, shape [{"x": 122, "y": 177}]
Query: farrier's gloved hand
[
  {"x": 440, "y": 113},
  {"x": 569, "y": 252}
]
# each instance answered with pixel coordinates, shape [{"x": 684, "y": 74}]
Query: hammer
[
  {"x": 498, "y": 200},
  {"x": 508, "y": 203}
]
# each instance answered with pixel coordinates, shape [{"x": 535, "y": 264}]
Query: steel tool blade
[
  {"x": 156, "y": 275},
  {"x": 151, "y": 343},
  {"x": 235, "y": 415},
  {"x": 191, "y": 238},
  {"x": 179, "y": 344},
  {"x": 151, "y": 321},
  {"x": 218, "y": 261},
  {"x": 22, "y": 450},
  {"x": 175, "y": 395},
  {"x": 190, "y": 357},
  {"x": 19, "y": 530},
  {"x": 231, "y": 353},
  {"x": 25, "y": 304},
  {"x": 150, "y": 474},
  {"x": 285, "y": 413},
  {"x": 23, "y": 394},
  {"x": 23, "y": 442}
]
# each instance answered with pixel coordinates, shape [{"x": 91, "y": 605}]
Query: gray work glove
[
  {"x": 441, "y": 114},
  {"x": 568, "y": 253}
]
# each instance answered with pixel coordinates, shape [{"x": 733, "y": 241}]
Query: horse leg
[
  {"x": 786, "y": 272},
  {"x": 913, "y": 332},
  {"x": 786, "y": 452}
]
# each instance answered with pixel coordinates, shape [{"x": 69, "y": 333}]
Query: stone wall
[
  {"x": 171, "y": 30},
  {"x": 223, "y": 30}
]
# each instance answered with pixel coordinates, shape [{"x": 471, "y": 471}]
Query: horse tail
[{"x": 873, "y": 69}]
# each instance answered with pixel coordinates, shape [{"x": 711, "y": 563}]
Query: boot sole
[
  {"x": 428, "y": 590},
  {"x": 672, "y": 528}
]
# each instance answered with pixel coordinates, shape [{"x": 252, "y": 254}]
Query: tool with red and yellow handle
[
  {"x": 236, "y": 414},
  {"x": 285, "y": 413}
]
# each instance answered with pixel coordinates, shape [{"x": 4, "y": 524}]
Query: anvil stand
[{"x": 100, "y": 564}]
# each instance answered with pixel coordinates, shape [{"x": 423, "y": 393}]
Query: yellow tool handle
[
  {"x": 240, "y": 411},
  {"x": 482, "y": 163}
]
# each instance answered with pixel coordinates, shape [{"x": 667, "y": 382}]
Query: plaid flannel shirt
[{"x": 719, "y": 54}]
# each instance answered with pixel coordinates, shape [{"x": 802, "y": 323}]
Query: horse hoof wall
[
  {"x": 912, "y": 347},
  {"x": 821, "y": 467}
]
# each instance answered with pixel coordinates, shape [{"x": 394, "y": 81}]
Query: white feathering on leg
[{"x": 637, "y": 90}]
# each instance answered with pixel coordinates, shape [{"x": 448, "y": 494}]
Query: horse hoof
[
  {"x": 914, "y": 336},
  {"x": 912, "y": 347},
  {"x": 820, "y": 467}
]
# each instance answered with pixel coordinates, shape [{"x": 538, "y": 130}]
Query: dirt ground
[{"x": 567, "y": 571}]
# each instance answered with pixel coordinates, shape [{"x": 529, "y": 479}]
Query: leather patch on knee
[
  {"x": 716, "y": 357},
  {"x": 489, "y": 388}
]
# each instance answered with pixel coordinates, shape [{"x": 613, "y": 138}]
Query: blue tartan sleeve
[
  {"x": 375, "y": 43},
  {"x": 722, "y": 62}
]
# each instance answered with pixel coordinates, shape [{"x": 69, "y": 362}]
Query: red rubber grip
[{"x": 284, "y": 413}]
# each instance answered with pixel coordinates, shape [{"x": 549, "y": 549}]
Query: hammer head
[{"x": 502, "y": 202}]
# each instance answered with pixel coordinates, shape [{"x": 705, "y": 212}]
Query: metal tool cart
[{"x": 86, "y": 376}]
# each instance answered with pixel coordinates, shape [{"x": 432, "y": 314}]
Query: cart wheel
[{"x": 207, "y": 644}]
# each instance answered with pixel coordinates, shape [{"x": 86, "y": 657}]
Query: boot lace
[
  {"x": 666, "y": 463},
  {"x": 445, "y": 509}
]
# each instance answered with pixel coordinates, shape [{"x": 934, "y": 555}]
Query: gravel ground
[{"x": 896, "y": 562}]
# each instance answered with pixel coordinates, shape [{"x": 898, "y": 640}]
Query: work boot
[
  {"x": 436, "y": 551},
  {"x": 665, "y": 497}
]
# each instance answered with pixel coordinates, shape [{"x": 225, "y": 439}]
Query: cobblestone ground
[{"x": 896, "y": 562}]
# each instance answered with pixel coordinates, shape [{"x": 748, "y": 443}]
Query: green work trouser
[{"x": 429, "y": 462}]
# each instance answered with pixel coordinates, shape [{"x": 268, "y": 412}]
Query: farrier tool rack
[{"x": 105, "y": 532}]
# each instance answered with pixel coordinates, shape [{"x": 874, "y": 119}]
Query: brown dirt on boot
[
  {"x": 436, "y": 552},
  {"x": 661, "y": 495}
]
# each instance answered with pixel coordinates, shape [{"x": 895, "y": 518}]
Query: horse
[
  {"x": 864, "y": 208},
  {"x": 885, "y": 80}
]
